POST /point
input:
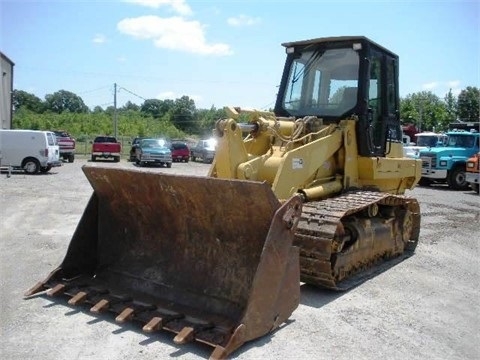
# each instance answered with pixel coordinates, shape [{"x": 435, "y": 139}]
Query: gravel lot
[{"x": 426, "y": 307}]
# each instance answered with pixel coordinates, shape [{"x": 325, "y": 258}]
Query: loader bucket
[{"x": 210, "y": 260}]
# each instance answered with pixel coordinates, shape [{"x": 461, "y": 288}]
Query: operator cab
[{"x": 337, "y": 77}]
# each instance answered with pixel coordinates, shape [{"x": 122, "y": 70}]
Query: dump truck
[
  {"x": 313, "y": 191},
  {"x": 472, "y": 175}
]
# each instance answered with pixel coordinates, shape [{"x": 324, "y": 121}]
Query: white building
[{"x": 6, "y": 89}]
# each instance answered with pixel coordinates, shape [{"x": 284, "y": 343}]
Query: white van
[{"x": 31, "y": 150}]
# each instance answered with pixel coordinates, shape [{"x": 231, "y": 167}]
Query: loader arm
[{"x": 284, "y": 153}]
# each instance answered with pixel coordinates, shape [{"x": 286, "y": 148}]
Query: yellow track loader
[{"x": 313, "y": 191}]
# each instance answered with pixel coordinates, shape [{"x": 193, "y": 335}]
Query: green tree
[
  {"x": 183, "y": 114},
  {"x": 63, "y": 100},
  {"x": 451, "y": 106},
  {"x": 469, "y": 104},
  {"x": 130, "y": 106},
  {"x": 206, "y": 119},
  {"x": 23, "y": 99},
  {"x": 156, "y": 107},
  {"x": 426, "y": 110}
]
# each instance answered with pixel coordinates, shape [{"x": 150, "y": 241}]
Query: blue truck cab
[{"x": 447, "y": 164}]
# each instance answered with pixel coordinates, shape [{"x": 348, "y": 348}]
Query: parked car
[
  {"x": 133, "y": 149},
  {"x": 31, "y": 150},
  {"x": 153, "y": 151},
  {"x": 180, "y": 151},
  {"x": 66, "y": 144},
  {"x": 106, "y": 147},
  {"x": 204, "y": 149}
]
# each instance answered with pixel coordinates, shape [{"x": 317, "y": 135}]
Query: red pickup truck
[
  {"x": 66, "y": 144},
  {"x": 106, "y": 147}
]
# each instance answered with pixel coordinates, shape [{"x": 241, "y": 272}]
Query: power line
[
  {"x": 93, "y": 90},
  {"x": 131, "y": 92}
]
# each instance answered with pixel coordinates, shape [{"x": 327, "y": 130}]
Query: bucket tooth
[
  {"x": 188, "y": 333},
  {"x": 155, "y": 324},
  {"x": 185, "y": 335},
  {"x": 125, "y": 315},
  {"x": 79, "y": 298},
  {"x": 100, "y": 306},
  {"x": 57, "y": 290},
  {"x": 158, "y": 322}
]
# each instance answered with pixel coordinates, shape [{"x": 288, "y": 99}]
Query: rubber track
[{"x": 318, "y": 224}]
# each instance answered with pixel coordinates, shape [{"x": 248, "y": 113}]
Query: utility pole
[{"x": 115, "y": 110}]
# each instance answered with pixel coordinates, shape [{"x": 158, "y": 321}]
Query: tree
[
  {"x": 63, "y": 100},
  {"x": 130, "y": 106},
  {"x": 469, "y": 104},
  {"x": 156, "y": 107},
  {"x": 23, "y": 99},
  {"x": 183, "y": 114},
  {"x": 425, "y": 110},
  {"x": 451, "y": 106},
  {"x": 97, "y": 109},
  {"x": 206, "y": 119}
]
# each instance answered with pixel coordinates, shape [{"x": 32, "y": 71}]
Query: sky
[{"x": 223, "y": 53}]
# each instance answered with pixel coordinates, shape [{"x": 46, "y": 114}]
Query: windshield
[
  {"x": 464, "y": 141},
  {"x": 322, "y": 82},
  {"x": 153, "y": 143},
  {"x": 430, "y": 141}
]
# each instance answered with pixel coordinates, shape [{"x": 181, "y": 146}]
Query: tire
[
  {"x": 31, "y": 166},
  {"x": 456, "y": 179},
  {"x": 475, "y": 187},
  {"x": 425, "y": 182},
  {"x": 116, "y": 159},
  {"x": 71, "y": 158},
  {"x": 137, "y": 162},
  {"x": 169, "y": 165},
  {"x": 193, "y": 158},
  {"x": 94, "y": 158},
  {"x": 45, "y": 169}
]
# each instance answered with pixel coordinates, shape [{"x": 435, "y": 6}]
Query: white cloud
[
  {"x": 456, "y": 91},
  {"x": 179, "y": 6},
  {"x": 99, "y": 39},
  {"x": 430, "y": 86},
  {"x": 243, "y": 20},
  {"x": 442, "y": 88},
  {"x": 173, "y": 33},
  {"x": 453, "y": 83},
  {"x": 166, "y": 95}
]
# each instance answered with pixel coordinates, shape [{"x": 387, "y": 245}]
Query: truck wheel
[
  {"x": 456, "y": 179},
  {"x": 45, "y": 169},
  {"x": 193, "y": 158},
  {"x": 116, "y": 159},
  {"x": 71, "y": 158},
  {"x": 94, "y": 158},
  {"x": 169, "y": 165},
  {"x": 475, "y": 187},
  {"x": 31, "y": 166}
]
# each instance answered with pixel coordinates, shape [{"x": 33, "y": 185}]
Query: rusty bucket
[{"x": 210, "y": 260}]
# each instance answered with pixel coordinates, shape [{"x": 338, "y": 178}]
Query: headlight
[
  {"x": 443, "y": 163},
  {"x": 470, "y": 165}
]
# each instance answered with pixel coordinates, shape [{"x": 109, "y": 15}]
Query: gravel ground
[{"x": 425, "y": 307}]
